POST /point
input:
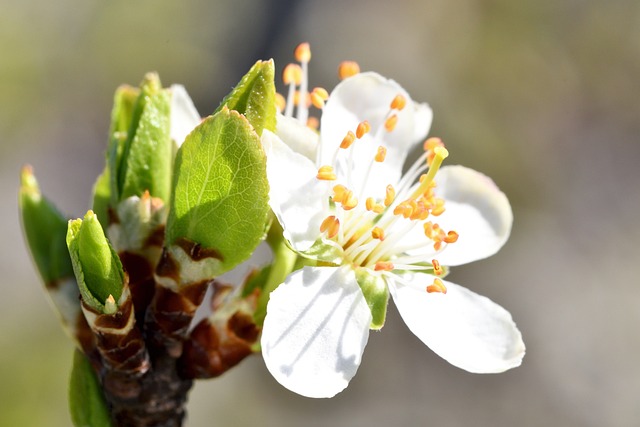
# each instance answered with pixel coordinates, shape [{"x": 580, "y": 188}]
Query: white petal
[
  {"x": 367, "y": 96},
  {"x": 300, "y": 138},
  {"x": 468, "y": 330},
  {"x": 184, "y": 116},
  {"x": 298, "y": 199},
  {"x": 477, "y": 210},
  {"x": 316, "y": 328}
]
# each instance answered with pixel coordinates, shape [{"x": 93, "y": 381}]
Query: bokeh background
[{"x": 541, "y": 95}]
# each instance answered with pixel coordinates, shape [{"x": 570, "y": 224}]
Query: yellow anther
[
  {"x": 372, "y": 206},
  {"x": 280, "y": 102},
  {"x": 326, "y": 173},
  {"x": 390, "y": 195},
  {"x": 437, "y": 210},
  {"x": 313, "y": 122},
  {"x": 437, "y": 269},
  {"x": 398, "y": 102},
  {"x": 348, "y": 140},
  {"x": 432, "y": 143},
  {"x": 338, "y": 193},
  {"x": 420, "y": 211},
  {"x": 381, "y": 154},
  {"x": 437, "y": 286},
  {"x": 348, "y": 69},
  {"x": 391, "y": 122},
  {"x": 377, "y": 233},
  {"x": 383, "y": 266},
  {"x": 428, "y": 229},
  {"x": 451, "y": 237},
  {"x": 292, "y": 73},
  {"x": 302, "y": 52},
  {"x": 349, "y": 201},
  {"x": 331, "y": 225},
  {"x": 318, "y": 97},
  {"x": 362, "y": 129}
]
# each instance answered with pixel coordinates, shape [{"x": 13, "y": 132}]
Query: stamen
[
  {"x": 398, "y": 102},
  {"x": 303, "y": 52},
  {"x": 326, "y": 173},
  {"x": 431, "y": 143},
  {"x": 348, "y": 140},
  {"x": 349, "y": 201},
  {"x": 441, "y": 153},
  {"x": 298, "y": 99},
  {"x": 437, "y": 269},
  {"x": 348, "y": 69},
  {"x": 390, "y": 195},
  {"x": 331, "y": 225},
  {"x": 363, "y": 128},
  {"x": 377, "y": 233},
  {"x": 391, "y": 122},
  {"x": 292, "y": 73},
  {"x": 313, "y": 123},
  {"x": 383, "y": 266},
  {"x": 318, "y": 97},
  {"x": 338, "y": 193},
  {"x": 280, "y": 102},
  {"x": 437, "y": 286},
  {"x": 381, "y": 154},
  {"x": 372, "y": 206},
  {"x": 451, "y": 237}
]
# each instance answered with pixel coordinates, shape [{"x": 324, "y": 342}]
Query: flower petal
[
  {"x": 316, "y": 328},
  {"x": 184, "y": 116},
  {"x": 367, "y": 96},
  {"x": 298, "y": 137},
  {"x": 477, "y": 210},
  {"x": 468, "y": 330},
  {"x": 295, "y": 195}
]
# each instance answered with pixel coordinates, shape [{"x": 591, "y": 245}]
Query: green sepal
[
  {"x": 86, "y": 401},
  {"x": 324, "y": 251},
  {"x": 143, "y": 161},
  {"x": 45, "y": 229},
  {"x": 220, "y": 191},
  {"x": 376, "y": 293},
  {"x": 96, "y": 265},
  {"x": 255, "y": 97}
]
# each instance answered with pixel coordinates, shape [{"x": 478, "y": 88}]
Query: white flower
[
  {"x": 184, "y": 116},
  {"x": 375, "y": 232}
]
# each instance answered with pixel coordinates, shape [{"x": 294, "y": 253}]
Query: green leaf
[
  {"x": 45, "y": 229},
  {"x": 220, "y": 191},
  {"x": 376, "y": 293},
  {"x": 255, "y": 97},
  {"x": 86, "y": 401},
  {"x": 96, "y": 265},
  {"x": 143, "y": 162}
]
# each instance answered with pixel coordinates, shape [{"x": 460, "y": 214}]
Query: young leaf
[
  {"x": 45, "y": 229},
  {"x": 86, "y": 402},
  {"x": 220, "y": 191},
  {"x": 255, "y": 97}
]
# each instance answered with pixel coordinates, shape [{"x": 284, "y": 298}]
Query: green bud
[
  {"x": 255, "y": 97},
  {"x": 45, "y": 228},
  {"x": 96, "y": 265},
  {"x": 376, "y": 293}
]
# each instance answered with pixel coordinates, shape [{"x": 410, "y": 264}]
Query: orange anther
[
  {"x": 338, "y": 193},
  {"x": 383, "y": 266},
  {"x": 349, "y": 201},
  {"x": 391, "y": 122},
  {"x": 280, "y": 102},
  {"x": 313, "y": 123},
  {"x": 298, "y": 97},
  {"x": 348, "y": 69},
  {"x": 326, "y": 173},
  {"x": 302, "y": 52},
  {"x": 372, "y": 206},
  {"x": 348, "y": 140},
  {"x": 451, "y": 237},
  {"x": 398, "y": 102},
  {"x": 437, "y": 286},
  {"x": 331, "y": 225},
  {"x": 381, "y": 154},
  {"x": 377, "y": 233},
  {"x": 318, "y": 97},
  {"x": 390, "y": 195},
  {"x": 431, "y": 143},
  {"x": 292, "y": 73},
  {"x": 363, "y": 128},
  {"x": 437, "y": 269}
]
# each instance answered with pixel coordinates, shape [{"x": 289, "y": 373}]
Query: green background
[{"x": 542, "y": 96}]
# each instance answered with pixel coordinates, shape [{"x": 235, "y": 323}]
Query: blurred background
[{"x": 542, "y": 96}]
